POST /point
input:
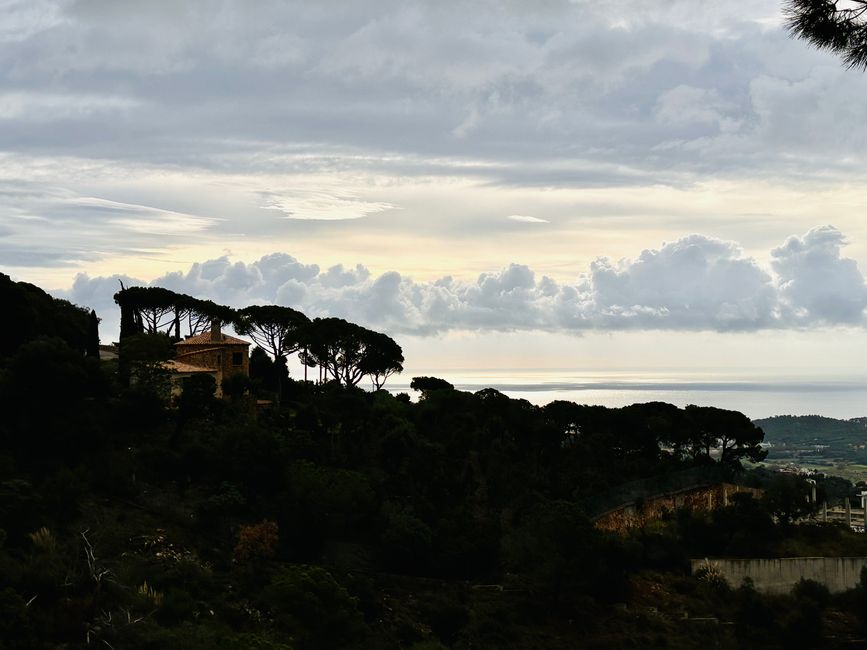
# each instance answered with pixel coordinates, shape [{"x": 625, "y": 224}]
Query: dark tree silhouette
[
  {"x": 146, "y": 309},
  {"x": 307, "y": 336},
  {"x": 155, "y": 309},
  {"x": 382, "y": 358},
  {"x": 346, "y": 352},
  {"x": 262, "y": 369},
  {"x": 275, "y": 329},
  {"x": 731, "y": 432},
  {"x": 29, "y": 312},
  {"x": 835, "y": 25},
  {"x": 321, "y": 346},
  {"x": 128, "y": 323},
  {"x": 427, "y": 384},
  {"x": 93, "y": 335},
  {"x": 788, "y": 497},
  {"x": 198, "y": 315}
]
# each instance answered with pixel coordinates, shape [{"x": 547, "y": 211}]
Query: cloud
[
  {"x": 526, "y": 218},
  {"x": 98, "y": 292},
  {"x": 496, "y": 81},
  {"x": 695, "y": 283},
  {"x": 43, "y": 107},
  {"x": 322, "y": 205},
  {"x": 287, "y": 118},
  {"x": 688, "y": 105},
  {"x": 816, "y": 283},
  {"x": 142, "y": 219}
]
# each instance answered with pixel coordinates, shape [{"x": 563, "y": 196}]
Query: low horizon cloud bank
[{"x": 693, "y": 284}]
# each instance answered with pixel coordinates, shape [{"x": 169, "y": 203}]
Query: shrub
[
  {"x": 712, "y": 577},
  {"x": 307, "y": 602},
  {"x": 257, "y": 542},
  {"x": 406, "y": 540}
]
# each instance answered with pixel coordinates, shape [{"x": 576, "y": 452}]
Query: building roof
[
  {"x": 205, "y": 339},
  {"x": 179, "y": 366}
]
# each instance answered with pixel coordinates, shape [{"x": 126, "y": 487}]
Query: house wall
[{"x": 216, "y": 356}]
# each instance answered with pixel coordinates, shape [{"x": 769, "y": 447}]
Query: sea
[{"x": 756, "y": 396}]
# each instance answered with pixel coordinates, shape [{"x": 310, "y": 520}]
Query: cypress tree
[{"x": 93, "y": 335}]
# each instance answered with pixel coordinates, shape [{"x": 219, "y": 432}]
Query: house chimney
[{"x": 216, "y": 335}]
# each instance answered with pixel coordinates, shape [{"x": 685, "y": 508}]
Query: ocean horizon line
[
  {"x": 836, "y": 398},
  {"x": 753, "y": 386}
]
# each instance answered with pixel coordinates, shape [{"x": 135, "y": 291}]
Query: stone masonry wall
[
  {"x": 640, "y": 513},
  {"x": 218, "y": 357}
]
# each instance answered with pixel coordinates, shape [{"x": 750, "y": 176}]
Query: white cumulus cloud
[{"x": 695, "y": 283}]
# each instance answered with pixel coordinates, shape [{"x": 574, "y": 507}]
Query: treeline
[
  {"x": 815, "y": 440},
  {"x": 310, "y": 525},
  {"x": 336, "y": 349},
  {"x": 30, "y": 313},
  {"x": 344, "y": 518},
  {"x": 815, "y": 429}
]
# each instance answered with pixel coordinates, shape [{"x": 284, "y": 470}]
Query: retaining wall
[
  {"x": 705, "y": 497},
  {"x": 779, "y": 575}
]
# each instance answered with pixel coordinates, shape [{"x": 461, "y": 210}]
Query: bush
[
  {"x": 14, "y": 623},
  {"x": 711, "y": 576},
  {"x": 62, "y": 492},
  {"x": 308, "y": 603},
  {"x": 406, "y": 540},
  {"x": 812, "y": 592},
  {"x": 176, "y": 605},
  {"x": 257, "y": 542},
  {"x": 563, "y": 557},
  {"x": 197, "y": 398}
]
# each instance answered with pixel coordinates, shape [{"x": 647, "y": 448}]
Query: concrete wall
[{"x": 779, "y": 575}]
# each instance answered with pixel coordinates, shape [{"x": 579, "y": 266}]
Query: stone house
[{"x": 214, "y": 353}]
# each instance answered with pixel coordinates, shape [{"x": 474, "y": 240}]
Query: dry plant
[{"x": 44, "y": 540}]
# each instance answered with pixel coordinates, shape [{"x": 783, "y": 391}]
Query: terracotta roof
[
  {"x": 205, "y": 339},
  {"x": 180, "y": 366}
]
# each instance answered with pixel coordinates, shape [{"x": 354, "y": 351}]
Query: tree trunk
[{"x": 279, "y": 364}]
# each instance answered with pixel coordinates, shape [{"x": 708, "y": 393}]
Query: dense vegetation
[
  {"x": 29, "y": 313},
  {"x": 351, "y": 519},
  {"x": 816, "y": 442}
]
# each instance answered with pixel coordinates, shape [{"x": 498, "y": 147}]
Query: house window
[{"x": 237, "y": 358}]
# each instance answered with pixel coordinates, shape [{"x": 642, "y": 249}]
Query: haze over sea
[{"x": 756, "y": 395}]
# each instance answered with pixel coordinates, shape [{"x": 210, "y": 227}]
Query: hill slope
[{"x": 813, "y": 440}]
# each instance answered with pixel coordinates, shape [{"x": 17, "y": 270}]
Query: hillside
[
  {"x": 814, "y": 429},
  {"x": 318, "y": 515},
  {"x": 820, "y": 443}
]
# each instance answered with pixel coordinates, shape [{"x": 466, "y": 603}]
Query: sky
[{"x": 674, "y": 187}]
